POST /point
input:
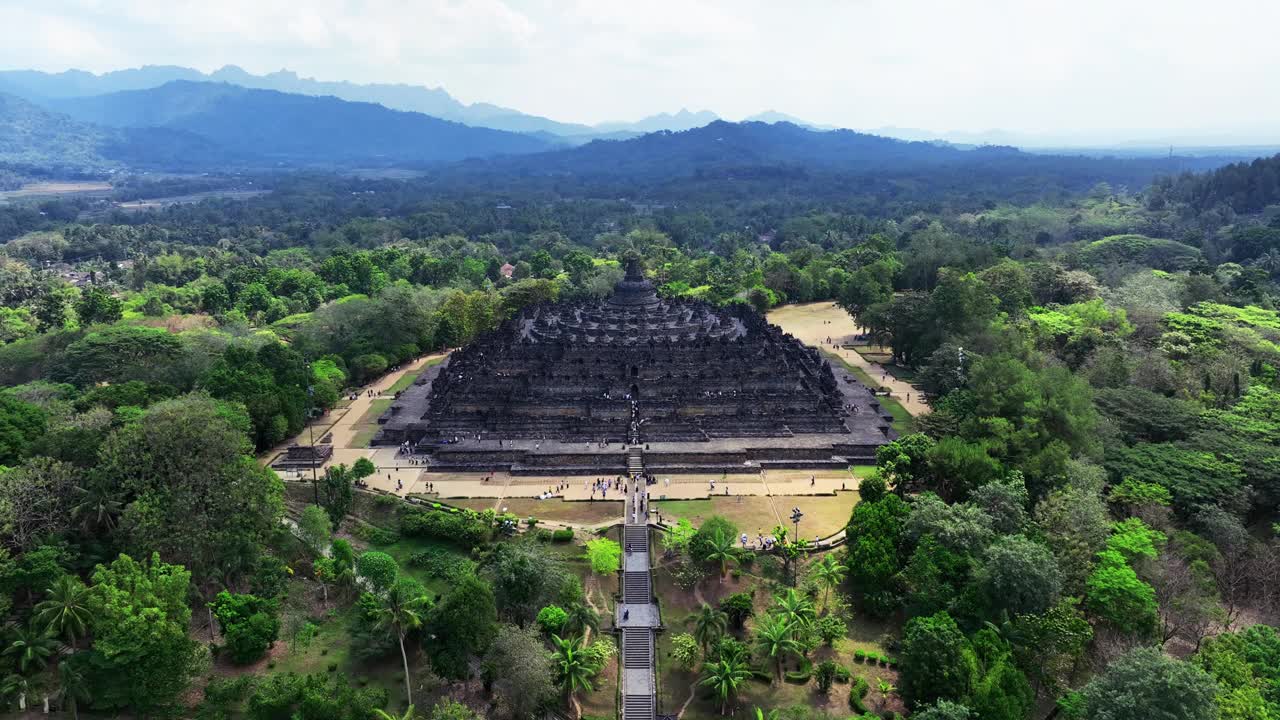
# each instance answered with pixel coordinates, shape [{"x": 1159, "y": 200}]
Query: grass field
[
  {"x": 367, "y": 426},
  {"x": 902, "y": 420},
  {"x": 408, "y": 378},
  {"x": 823, "y": 514}
]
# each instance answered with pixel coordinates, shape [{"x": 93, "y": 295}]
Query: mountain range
[
  {"x": 187, "y": 126},
  {"x": 184, "y": 125},
  {"x": 42, "y": 87}
]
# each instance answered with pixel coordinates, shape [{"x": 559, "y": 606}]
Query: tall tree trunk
[{"x": 408, "y": 686}]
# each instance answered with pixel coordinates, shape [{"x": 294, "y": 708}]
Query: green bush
[
  {"x": 442, "y": 565},
  {"x": 859, "y": 655},
  {"x": 799, "y": 677},
  {"x": 857, "y": 692},
  {"x": 249, "y": 625},
  {"x": 842, "y": 674},
  {"x": 562, "y": 535},
  {"x": 465, "y": 528}
]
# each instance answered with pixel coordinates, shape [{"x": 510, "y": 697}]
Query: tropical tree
[
  {"x": 722, "y": 551},
  {"x": 709, "y": 624},
  {"x": 31, "y": 647},
  {"x": 574, "y": 666},
  {"x": 579, "y": 617},
  {"x": 65, "y": 612},
  {"x": 73, "y": 688},
  {"x": 402, "y": 608},
  {"x": 796, "y": 608},
  {"x": 325, "y": 573},
  {"x": 830, "y": 573},
  {"x": 725, "y": 676},
  {"x": 96, "y": 508},
  {"x": 774, "y": 639}
]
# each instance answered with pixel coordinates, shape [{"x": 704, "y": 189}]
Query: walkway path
[
  {"x": 637, "y": 615},
  {"x": 344, "y": 423},
  {"x": 813, "y": 323}
]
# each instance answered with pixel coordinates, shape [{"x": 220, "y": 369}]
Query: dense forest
[{"x": 1083, "y": 527}]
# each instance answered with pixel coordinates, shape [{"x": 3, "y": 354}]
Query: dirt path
[
  {"x": 342, "y": 423},
  {"x": 813, "y": 323}
]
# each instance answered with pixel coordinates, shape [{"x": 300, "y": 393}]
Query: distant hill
[
  {"x": 31, "y": 135},
  {"x": 683, "y": 120},
  {"x": 436, "y": 102},
  {"x": 726, "y": 159},
  {"x": 40, "y": 87},
  {"x": 267, "y": 125},
  {"x": 724, "y": 144}
]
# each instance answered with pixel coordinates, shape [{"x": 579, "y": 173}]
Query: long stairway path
[{"x": 637, "y": 614}]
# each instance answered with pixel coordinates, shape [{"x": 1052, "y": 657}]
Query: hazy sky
[{"x": 1028, "y": 65}]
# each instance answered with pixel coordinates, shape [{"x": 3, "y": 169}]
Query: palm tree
[
  {"x": 32, "y": 646},
  {"x": 401, "y": 611},
  {"x": 65, "y": 612},
  {"x": 96, "y": 508},
  {"x": 381, "y": 714},
  {"x": 723, "y": 552},
  {"x": 579, "y": 617},
  {"x": 725, "y": 676},
  {"x": 775, "y": 638},
  {"x": 15, "y": 685},
  {"x": 796, "y": 608},
  {"x": 72, "y": 687},
  {"x": 575, "y": 670},
  {"x": 709, "y": 624},
  {"x": 830, "y": 573}
]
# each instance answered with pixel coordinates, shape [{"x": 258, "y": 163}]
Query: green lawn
[
  {"x": 407, "y": 379},
  {"x": 902, "y": 420},
  {"x": 367, "y": 426}
]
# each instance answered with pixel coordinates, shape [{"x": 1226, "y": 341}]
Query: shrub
[
  {"x": 551, "y": 618},
  {"x": 825, "y": 673},
  {"x": 842, "y": 674},
  {"x": 443, "y": 565},
  {"x": 562, "y": 535},
  {"x": 542, "y": 535},
  {"x": 465, "y": 528},
  {"x": 249, "y": 625},
  {"x": 859, "y": 655},
  {"x": 386, "y": 501},
  {"x": 333, "y": 667},
  {"x": 857, "y": 692}
]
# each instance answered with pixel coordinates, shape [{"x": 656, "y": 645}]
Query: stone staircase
[
  {"x": 635, "y": 461},
  {"x": 637, "y": 614}
]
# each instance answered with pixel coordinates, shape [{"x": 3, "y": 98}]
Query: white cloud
[{"x": 1048, "y": 65}]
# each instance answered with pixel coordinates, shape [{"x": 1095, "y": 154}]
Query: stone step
[
  {"x": 636, "y": 537},
  {"x": 637, "y": 648},
  {"x": 638, "y": 707},
  {"x": 636, "y": 588}
]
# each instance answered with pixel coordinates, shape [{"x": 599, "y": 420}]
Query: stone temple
[{"x": 584, "y": 388}]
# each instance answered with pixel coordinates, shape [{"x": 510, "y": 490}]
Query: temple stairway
[
  {"x": 637, "y": 614},
  {"x": 635, "y": 461}
]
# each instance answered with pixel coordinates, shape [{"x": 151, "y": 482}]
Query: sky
[{"x": 1056, "y": 68}]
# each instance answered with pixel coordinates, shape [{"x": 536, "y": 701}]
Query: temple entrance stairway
[{"x": 637, "y": 613}]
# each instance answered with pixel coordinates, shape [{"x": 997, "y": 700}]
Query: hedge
[{"x": 463, "y": 528}]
